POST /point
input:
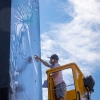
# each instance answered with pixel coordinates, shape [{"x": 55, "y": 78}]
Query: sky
[{"x": 71, "y": 29}]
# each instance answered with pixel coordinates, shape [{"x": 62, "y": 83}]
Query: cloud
[
  {"x": 45, "y": 93},
  {"x": 78, "y": 40}
]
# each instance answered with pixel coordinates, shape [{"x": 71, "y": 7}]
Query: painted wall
[{"x": 25, "y": 72}]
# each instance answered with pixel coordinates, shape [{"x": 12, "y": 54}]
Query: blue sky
[{"x": 71, "y": 29}]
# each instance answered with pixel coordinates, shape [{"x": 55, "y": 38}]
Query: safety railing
[{"x": 74, "y": 94}]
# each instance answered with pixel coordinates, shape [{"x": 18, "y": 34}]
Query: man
[{"x": 59, "y": 83}]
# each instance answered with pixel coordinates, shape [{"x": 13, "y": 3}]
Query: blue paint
[{"x": 25, "y": 72}]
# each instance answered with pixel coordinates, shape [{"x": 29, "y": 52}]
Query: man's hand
[{"x": 37, "y": 58}]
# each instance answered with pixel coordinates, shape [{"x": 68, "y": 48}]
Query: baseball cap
[{"x": 54, "y": 56}]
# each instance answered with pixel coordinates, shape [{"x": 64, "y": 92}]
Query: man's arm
[{"x": 44, "y": 62}]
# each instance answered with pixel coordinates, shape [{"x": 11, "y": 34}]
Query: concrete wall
[{"x": 25, "y": 72}]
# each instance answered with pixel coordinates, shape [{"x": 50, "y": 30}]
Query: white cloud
[
  {"x": 78, "y": 40},
  {"x": 45, "y": 93}
]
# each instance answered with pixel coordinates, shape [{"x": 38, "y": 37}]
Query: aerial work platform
[{"x": 79, "y": 93}]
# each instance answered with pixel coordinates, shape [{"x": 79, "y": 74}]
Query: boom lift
[{"x": 83, "y": 86}]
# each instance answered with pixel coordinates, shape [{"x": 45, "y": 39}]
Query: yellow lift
[{"x": 76, "y": 94}]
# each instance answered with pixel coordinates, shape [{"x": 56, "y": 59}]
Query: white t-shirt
[{"x": 59, "y": 78}]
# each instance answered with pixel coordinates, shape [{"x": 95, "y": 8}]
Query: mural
[{"x": 25, "y": 72}]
